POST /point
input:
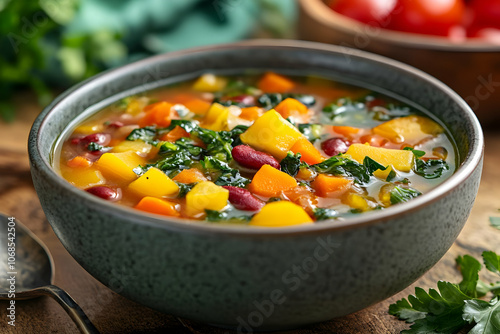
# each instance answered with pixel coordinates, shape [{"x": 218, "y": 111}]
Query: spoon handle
[{"x": 71, "y": 307}]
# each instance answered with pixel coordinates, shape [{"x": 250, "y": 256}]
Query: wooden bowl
[{"x": 471, "y": 68}]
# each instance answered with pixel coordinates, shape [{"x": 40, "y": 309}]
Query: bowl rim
[
  {"x": 469, "y": 165},
  {"x": 319, "y": 11}
]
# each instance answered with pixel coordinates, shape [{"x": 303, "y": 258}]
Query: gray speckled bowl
[{"x": 258, "y": 278}]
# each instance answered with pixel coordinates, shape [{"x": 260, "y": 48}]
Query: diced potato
[
  {"x": 400, "y": 159},
  {"x": 279, "y": 214},
  {"x": 209, "y": 83},
  {"x": 154, "y": 183},
  {"x": 119, "y": 166},
  {"x": 357, "y": 202},
  {"x": 216, "y": 117},
  {"x": 83, "y": 177},
  {"x": 135, "y": 146},
  {"x": 206, "y": 195},
  {"x": 272, "y": 133},
  {"x": 410, "y": 129}
]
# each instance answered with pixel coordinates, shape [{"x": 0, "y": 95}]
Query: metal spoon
[{"x": 33, "y": 271}]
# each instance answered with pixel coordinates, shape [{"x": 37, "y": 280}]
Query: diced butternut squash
[
  {"x": 410, "y": 129},
  {"x": 305, "y": 174},
  {"x": 309, "y": 153},
  {"x": 356, "y": 201},
  {"x": 154, "y": 183},
  {"x": 271, "y": 133},
  {"x": 119, "y": 166},
  {"x": 79, "y": 162},
  {"x": 210, "y": 83},
  {"x": 250, "y": 113},
  {"x": 400, "y": 159},
  {"x": 346, "y": 131},
  {"x": 197, "y": 106},
  {"x": 216, "y": 117},
  {"x": 159, "y": 114},
  {"x": 269, "y": 182},
  {"x": 279, "y": 214},
  {"x": 275, "y": 83},
  {"x": 157, "y": 206},
  {"x": 291, "y": 107},
  {"x": 206, "y": 195},
  {"x": 136, "y": 146},
  {"x": 191, "y": 175},
  {"x": 326, "y": 186},
  {"x": 175, "y": 134},
  {"x": 83, "y": 177}
]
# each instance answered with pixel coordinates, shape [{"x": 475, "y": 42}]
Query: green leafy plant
[{"x": 453, "y": 307}]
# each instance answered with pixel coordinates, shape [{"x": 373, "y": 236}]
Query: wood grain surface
[{"x": 112, "y": 313}]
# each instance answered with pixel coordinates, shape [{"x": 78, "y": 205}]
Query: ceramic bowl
[
  {"x": 471, "y": 67},
  {"x": 252, "y": 278}
]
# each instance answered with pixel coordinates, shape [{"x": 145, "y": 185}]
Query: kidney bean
[
  {"x": 248, "y": 157},
  {"x": 242, "y": 199},
  {"x": 98, "y": 138},
  {"x": 334, "y": 146},
  {"x": 107, "y": 193},
  {"x": 116, "y": 124},
  {"x": 247, "y": 100}
]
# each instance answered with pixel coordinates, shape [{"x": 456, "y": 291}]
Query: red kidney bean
[
  {"x": 334, "y": 146},
  {"x": 247, "y": 100},
  {"x": 242, "y": 199},
  {"x": 248, "y": 157},
  {"x": 107, "y": 193},
  {"x": 98, "y": 138},
  {"x": 116, "y": 124}
]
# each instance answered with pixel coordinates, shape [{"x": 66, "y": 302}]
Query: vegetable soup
[{"x": 263, "y": 150}]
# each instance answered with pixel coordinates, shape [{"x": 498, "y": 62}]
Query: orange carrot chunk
[
  {"x": 310, "y": 154},
  {"x": 326, "y": 186},
  {"x": 290, "y": 107},
  {"x": 158, "y": 206},
  {"x": 345, "y": 130},
  {"x": 275, "y": 83},
  {"x": 191, "y": 175},
  {"x": 159, "y": 114},
  {"x": 175, "y": 134},
  {"x": 79, "y": 162},
  {"x": 250, "y": 113},
  {"x": 197, "y": 106},
  {"x": 269, "y": 182}
]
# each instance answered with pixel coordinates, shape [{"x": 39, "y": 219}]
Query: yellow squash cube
[
  {"x": 279, "y": 214},
  {"x": 272, "y": 133},
  {"x": 400, "y": 159},
  {"x": 355, "y": 201},
  {"x": 410, "y": 129},
  {"x": 206, "y": 195},
  {"x": 135, "y": 146},
  {"x": 83, "y": 177},
  {"x": 216, "y": 117},
  {"x": 209, "y": 83},
  {"x": 154, "y": 183},
  {"x": 119, "y": 166}
]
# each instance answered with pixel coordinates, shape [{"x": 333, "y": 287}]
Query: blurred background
[{"x": 48, "y": 45}]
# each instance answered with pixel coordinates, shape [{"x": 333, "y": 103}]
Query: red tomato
[
  {"x": 485, "y": 13},
  {"x": 372, "y": 12},
  {"x": 431, "y": 17}
]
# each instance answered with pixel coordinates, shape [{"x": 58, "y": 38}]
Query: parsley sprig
[{"x": 453, "y": 307}]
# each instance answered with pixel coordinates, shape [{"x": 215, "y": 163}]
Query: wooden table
[{"x": 112, "y": 313}]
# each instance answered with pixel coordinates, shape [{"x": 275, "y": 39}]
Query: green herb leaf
[
  {"x": 340, "y": 165},
  {"x": 485, "y": 315},
  {"x": 184, "y": 188},
  {"x": 94, "y": 147},
  {"x": 469, "y": 267},
  {"x": 227, "y": 176},
  {"x": 146, "y": 134},
  {"x": 311, "y": 131},
  {"x": 416, "y": 153},
  {"x": 492, "y": 262},
  {"x": 291, "y": 163},
  {"x": 431, "y": 169},
  {"x": 371, "y": 165},
  {"x": 400, "y": 194},
  {"x": 323, "y": 214},
  {"x": 433, "y": 312},
  {"x": 223, "y": 216},
  {"x": 495, "y": 222}
]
